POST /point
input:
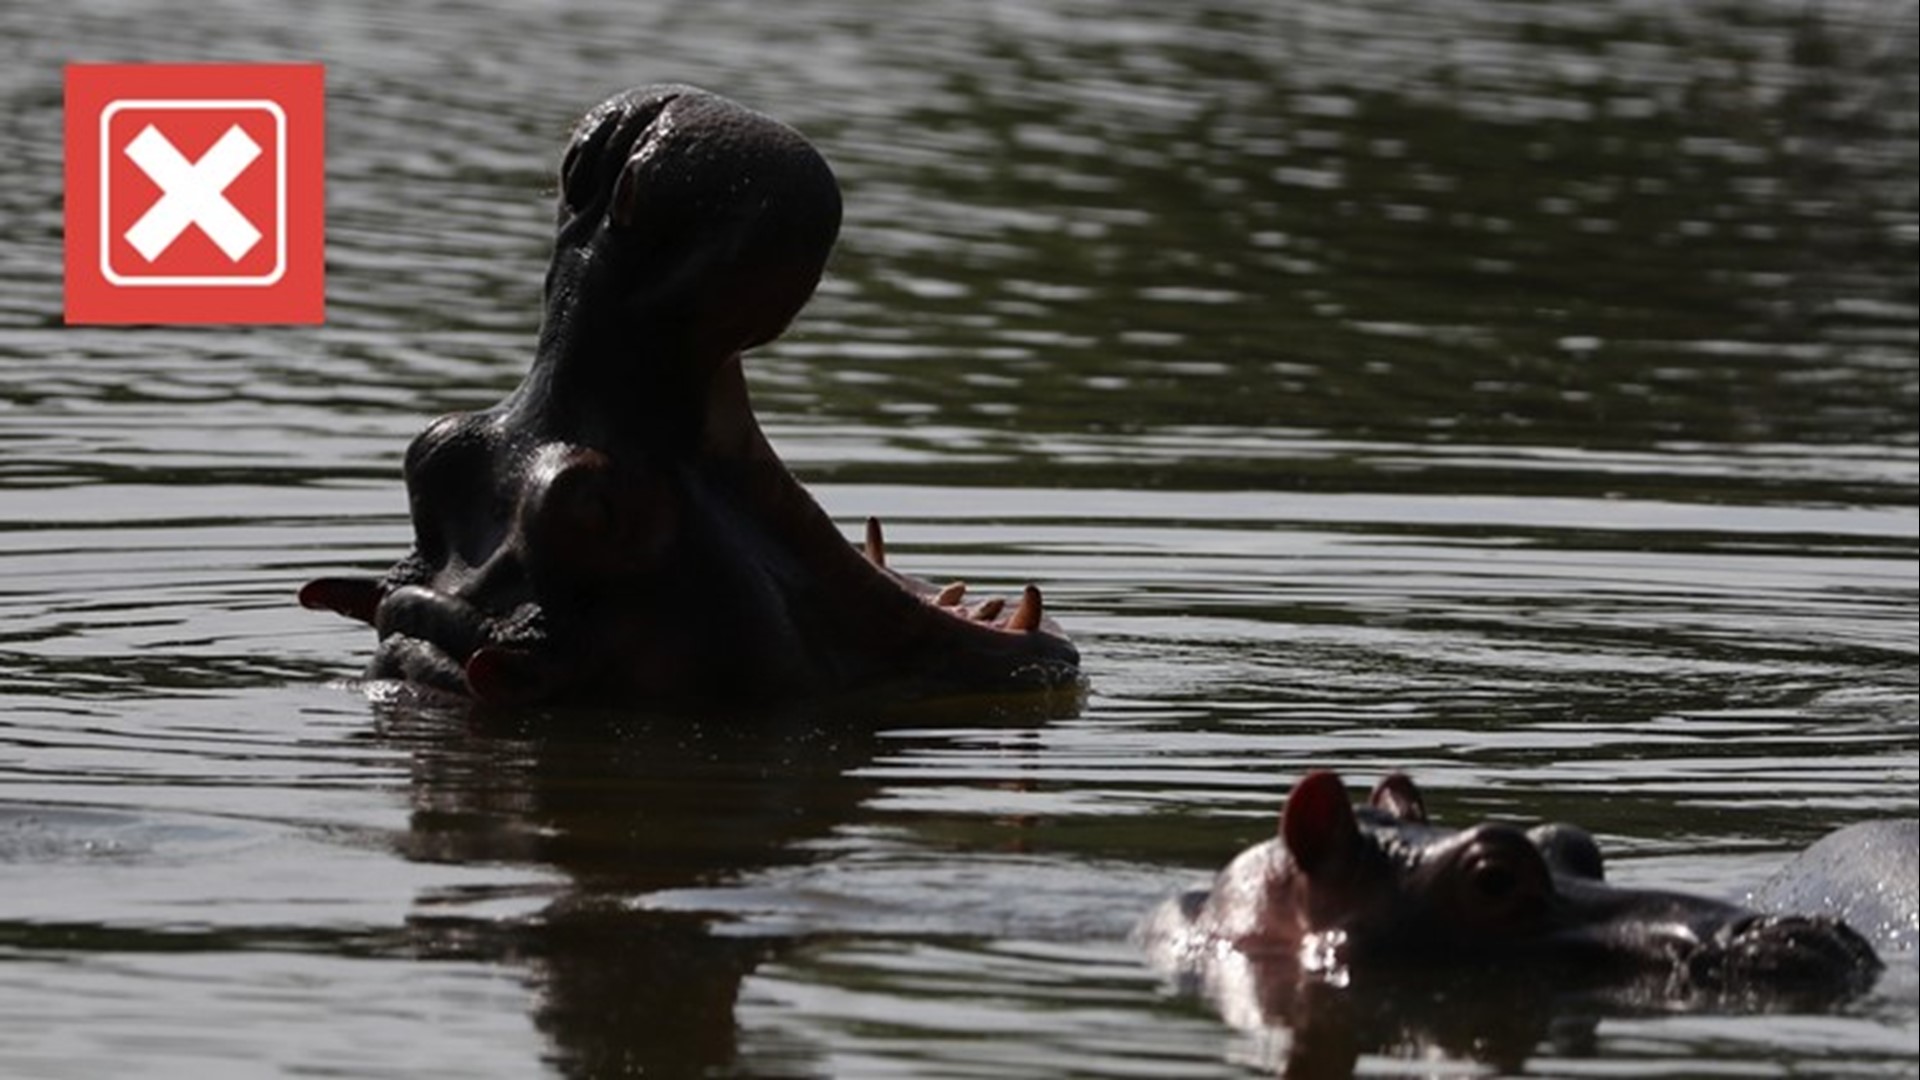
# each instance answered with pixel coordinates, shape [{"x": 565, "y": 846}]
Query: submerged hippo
[
  {"x": 1867, "y": 873},
  {"x": 1344, "y": 889},
  {"x": 618, "y": 530}
]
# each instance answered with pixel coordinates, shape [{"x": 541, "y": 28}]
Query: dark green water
[{"x": 1520, "y": 395}]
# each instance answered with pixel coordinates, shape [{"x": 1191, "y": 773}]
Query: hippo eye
[
  {"x": 1494, "y": 881},
  {"x": 1499, "y": 878}
]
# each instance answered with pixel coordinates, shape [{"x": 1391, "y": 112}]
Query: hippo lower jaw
[
  {"x": 439, "y": 640},
  {"x": 426, "y": 637},
  {"x": 854, "y": 623}
]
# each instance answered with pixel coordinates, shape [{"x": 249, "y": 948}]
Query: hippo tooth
[
  {"x": 356, "y": 598},
  {"x": 876, "y": 543},
  {"x": 949, "y": 596},
  {"x": 1027, "y": 615},
  {"x": 989, "y": 611}
]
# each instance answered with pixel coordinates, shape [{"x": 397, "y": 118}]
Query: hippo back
[{"x": 1867, "y": 874}]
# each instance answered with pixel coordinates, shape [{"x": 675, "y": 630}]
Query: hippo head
[
  {"x": 1343, "y": 887},
  {"x": 618, "y": 530}
]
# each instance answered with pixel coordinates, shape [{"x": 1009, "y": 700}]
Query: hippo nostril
[
  {"x": 603, "y": 131},
  {"x": 636, "y": 188},
  {"x": 576, "y": 171},
  {"x": 1779, "y": 932},
  {"x": 570, "y": 177},
  {"x": 655, "y": 130},
  {"x": 626, "y": 198}
]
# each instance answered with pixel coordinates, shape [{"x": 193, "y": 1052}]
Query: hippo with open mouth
[
  {"x": 1344, "y": 890},
  {"x": 618, "y": 531}
]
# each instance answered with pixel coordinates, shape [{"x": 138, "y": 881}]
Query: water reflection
[
  {"x": 1520, "y": 393},
  {"x": 629, "y": 808},
  {"x": 1513, "y": 1021},
  {"x": 1312, "y": 1030}
]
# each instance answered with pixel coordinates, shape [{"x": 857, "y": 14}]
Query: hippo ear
[
  {"x": 1396, "y": 794},
  {"x": 1318, "y": 826}
]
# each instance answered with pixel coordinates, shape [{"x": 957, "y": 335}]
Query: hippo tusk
[
  {"x": 356, "y": 598},
  {"x": 506, "y": 676},
  {"x": 1027, "y": 615}
]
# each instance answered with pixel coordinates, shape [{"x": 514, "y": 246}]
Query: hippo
[
  {"x": 1343, "y": 890},
  {"x": 618, "y": 531},
  {"x": 1867, "y": 874}
]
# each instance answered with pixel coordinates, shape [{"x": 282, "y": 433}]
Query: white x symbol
[{"x": 193, "y": 193}]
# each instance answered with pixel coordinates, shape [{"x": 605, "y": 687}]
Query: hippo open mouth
[{"x": 618, "y": 530}]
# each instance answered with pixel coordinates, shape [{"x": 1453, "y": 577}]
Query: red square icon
[{"x": 196, "y": 193}]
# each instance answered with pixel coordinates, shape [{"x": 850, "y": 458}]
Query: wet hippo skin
[
  {"x": 1342, "y": 889},
  {"x": 618, "y": 530},
  {"x": 1867, "y": 873}
]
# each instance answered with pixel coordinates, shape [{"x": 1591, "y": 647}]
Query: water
[{"x": 1519, "y": 395}]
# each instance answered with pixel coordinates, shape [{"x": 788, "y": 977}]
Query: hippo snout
[{"x": 1784, "y": 950}]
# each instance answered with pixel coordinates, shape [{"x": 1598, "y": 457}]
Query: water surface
[{"x": 1520, "y": 395}]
